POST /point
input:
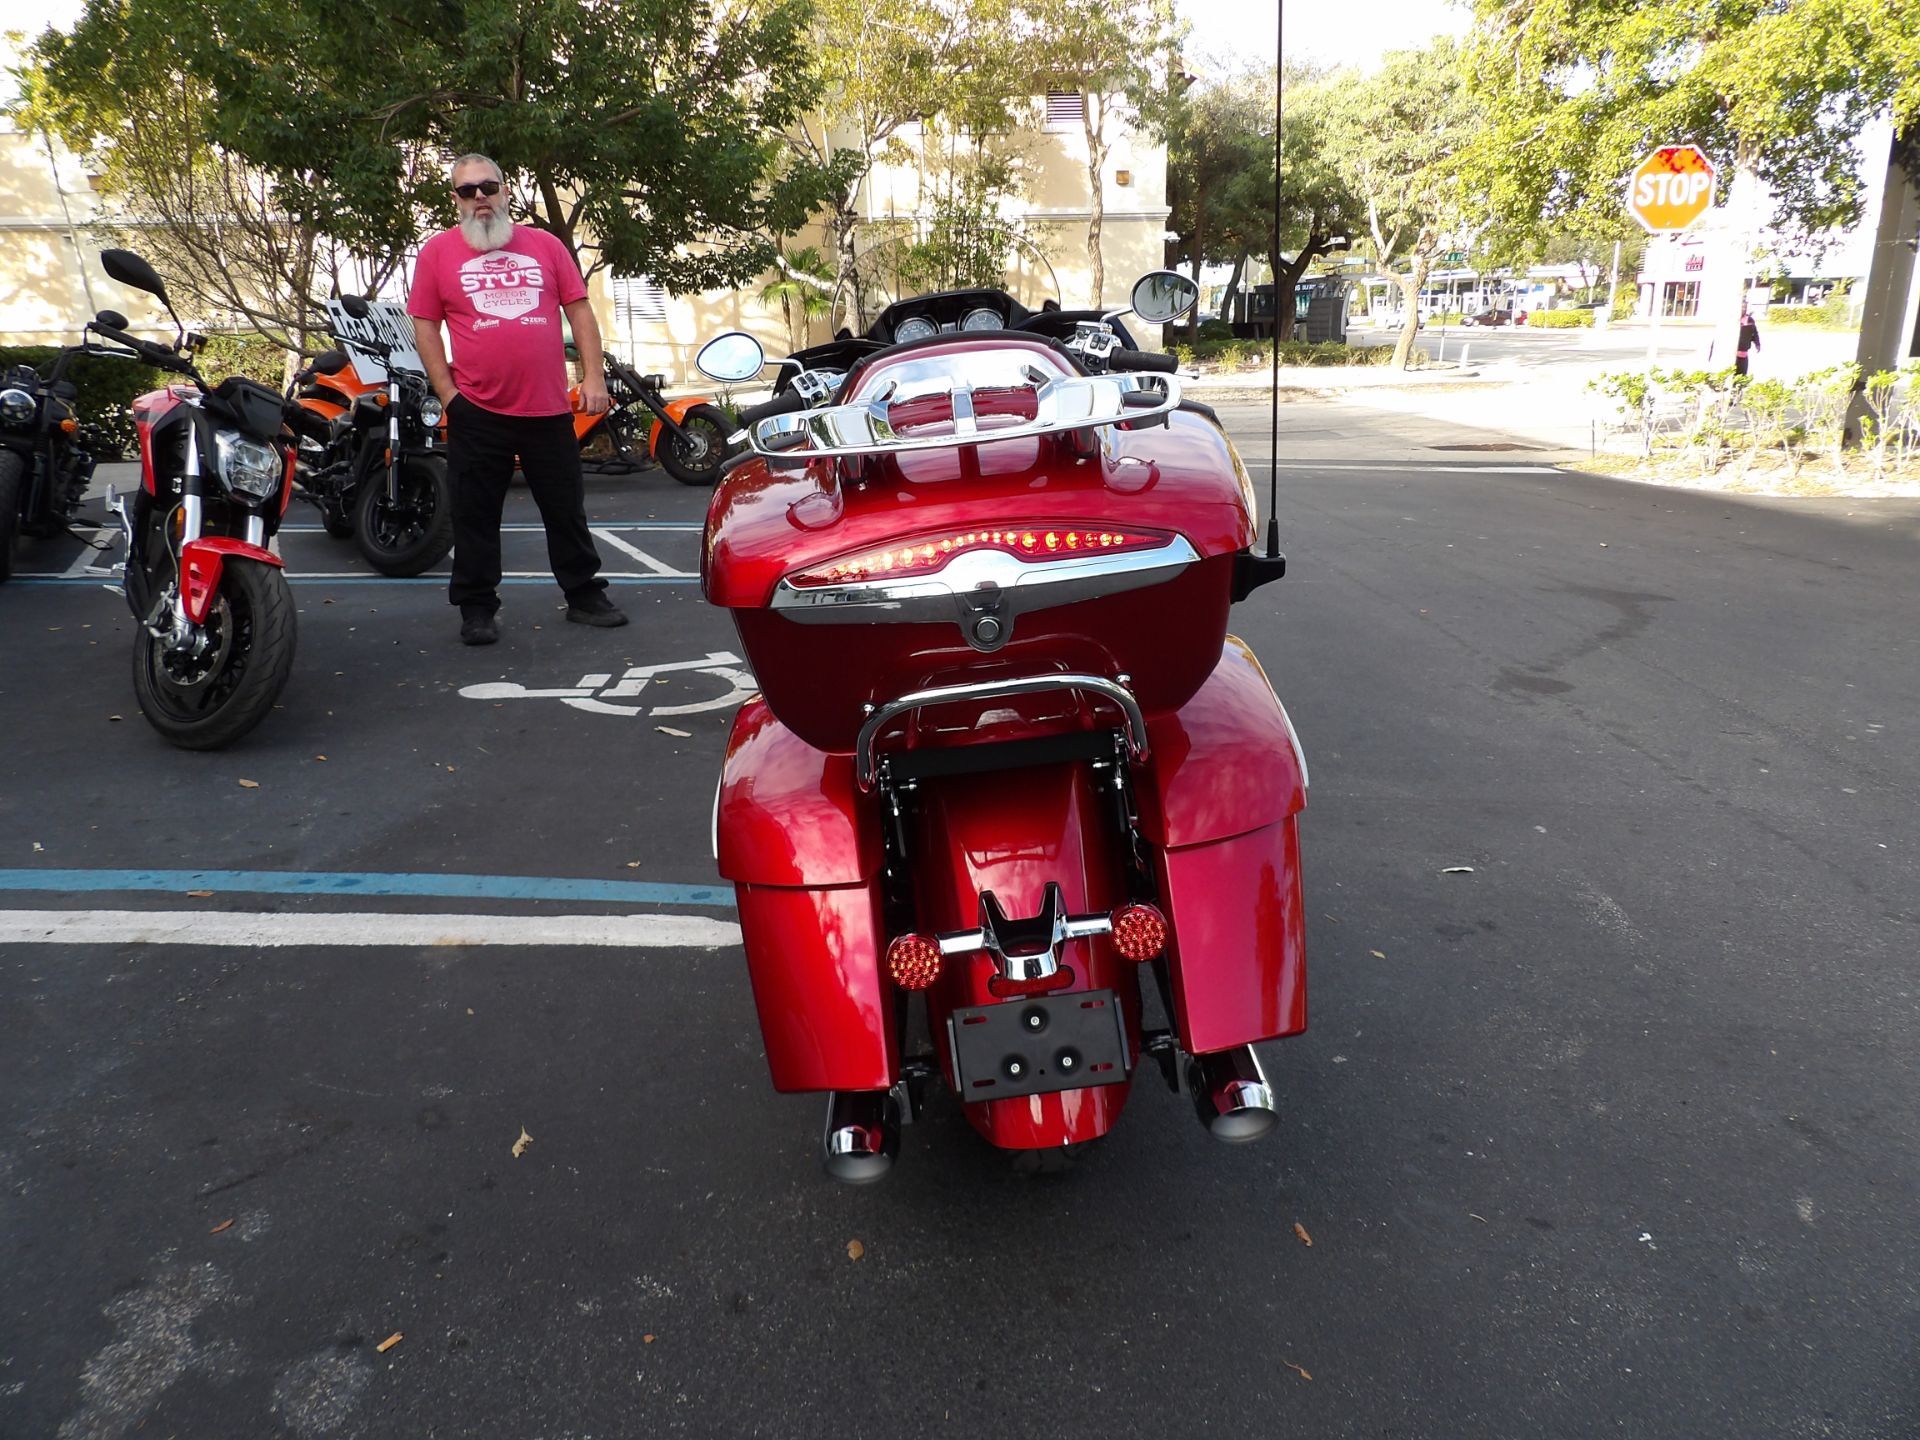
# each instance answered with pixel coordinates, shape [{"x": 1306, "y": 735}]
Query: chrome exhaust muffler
[
  {"x": 1231, "y": 1095},
  {"x": 862, "y": 1136}
]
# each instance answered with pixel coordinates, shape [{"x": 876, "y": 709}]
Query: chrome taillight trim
[
  {"x": 866, "y": 771},
  {"x": 983, "y": 583}
]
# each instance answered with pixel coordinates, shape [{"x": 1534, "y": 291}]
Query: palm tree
[{"x": 795, "y": 293}]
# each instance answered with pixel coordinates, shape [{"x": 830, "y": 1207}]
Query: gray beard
[{"x": 485, "y": 235}]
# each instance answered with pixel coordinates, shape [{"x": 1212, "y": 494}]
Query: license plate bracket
[{"x": 1037, "y": 1045}]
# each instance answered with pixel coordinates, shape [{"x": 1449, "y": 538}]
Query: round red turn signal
[
  {"x": 913, "y": 961},
  {"x": 1139, "y": 932}
]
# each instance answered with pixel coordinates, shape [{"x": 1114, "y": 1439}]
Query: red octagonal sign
[{"x": 1671, "y": 188}]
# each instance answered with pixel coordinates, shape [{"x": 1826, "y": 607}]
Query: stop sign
[{"x": 1671, "y": 188}]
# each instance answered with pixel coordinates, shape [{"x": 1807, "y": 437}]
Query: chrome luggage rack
[{"x": 1062, "y": 404}]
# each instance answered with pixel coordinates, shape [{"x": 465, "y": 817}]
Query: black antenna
[{"x": 1273, "y": 437}]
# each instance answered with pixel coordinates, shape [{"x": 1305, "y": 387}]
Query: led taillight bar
[{"x": 928, "y": 553}]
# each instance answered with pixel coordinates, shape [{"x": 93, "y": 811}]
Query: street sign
[
  {"x": 1671, "y": 188},
  {"x": 385, "y": 322}
]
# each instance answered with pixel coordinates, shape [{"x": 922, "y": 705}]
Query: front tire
[
  {"x": 207, "y": 702},
  {"x": 13, "y": 476},
  {"x": 414, "y": 535},
  {"x": 695, "y": 457}
]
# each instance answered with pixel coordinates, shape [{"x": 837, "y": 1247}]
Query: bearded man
[{"x": 500, "y": 289}]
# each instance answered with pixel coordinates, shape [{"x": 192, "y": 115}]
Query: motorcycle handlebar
[
  {"x": 1143, "y": 360},
  {"x": 785, "y": 404},
  {"x": 165, "y": 356}
]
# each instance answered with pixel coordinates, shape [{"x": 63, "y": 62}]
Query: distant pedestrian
[
  {"x": 1749, "y": 341},
  {"x": 500, "y": 288}
]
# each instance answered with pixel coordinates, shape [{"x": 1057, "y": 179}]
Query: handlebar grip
[
  {"x": 785, "y": 404},
  {"x": 162, "y": 355},
  {"x": 1143, "y": 360}
]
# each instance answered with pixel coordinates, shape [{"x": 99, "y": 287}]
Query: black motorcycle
[
  {"x": 375, "y": 467},
  {"x": 44, "y": 471}
]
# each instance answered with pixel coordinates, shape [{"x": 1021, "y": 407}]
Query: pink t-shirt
[{"x": 502, "y": 311}]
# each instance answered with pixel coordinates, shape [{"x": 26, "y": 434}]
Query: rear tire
[
  {"x": 415, "y": 535},
  {"x": 13, "y": 474},
  {"x": 696, "y": 458},
  {"x": 207, "y": 707}
]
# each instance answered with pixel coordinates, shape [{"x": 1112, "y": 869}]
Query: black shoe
[
  {"x": 594, "y": 608},
  {"x": 478, "y": 627}
]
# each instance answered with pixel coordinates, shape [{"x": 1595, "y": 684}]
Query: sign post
[{"x": 1667, "y": 193}]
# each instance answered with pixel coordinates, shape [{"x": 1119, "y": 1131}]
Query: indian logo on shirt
[{"x": 502, "y": 282}]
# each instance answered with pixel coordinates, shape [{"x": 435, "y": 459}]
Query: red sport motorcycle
[
  {"x": 1006, "y": 758},
  {"x": 215, "y": 638}
]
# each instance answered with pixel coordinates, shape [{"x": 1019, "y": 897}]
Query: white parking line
[
  {"x": 83, "y": 562},
  {"x": 658, "y": 567},
  {"x": 262, "y": 929}
]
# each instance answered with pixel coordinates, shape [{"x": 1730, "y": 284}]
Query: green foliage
[
  {"x": 1216, "y": 330},
  {"x": 107, "y": 388},
  {"x": 1560, "y": 319},
  {"x": 795, "y": 297},
  {"x": 1626, "y": 299},
  {"x": 1585, "y": 88},
  {"x": 251, "y": 355},
  {"x": 1836, "y": 311},
  {"x": 1240, "y": 355},
  {"x": 644, "y": 135}
]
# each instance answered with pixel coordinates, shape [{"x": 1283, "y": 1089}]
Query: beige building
[{"x": 50, "y": 276}]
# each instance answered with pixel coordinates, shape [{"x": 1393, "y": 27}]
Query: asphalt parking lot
[{"x": 1612, "y": 1133}]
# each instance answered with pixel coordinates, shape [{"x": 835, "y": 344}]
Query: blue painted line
[
  {"x": 438, "y": 581},
  {"x": 355, "y": 882}
]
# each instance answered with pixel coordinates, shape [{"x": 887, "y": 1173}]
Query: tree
[
  {"x": 1778, "y": 91},
  {"x": 1122, "y": 56},
  {"x": 884, "y": 65},
  {"x": 214, "y": 226},
  {"x": 1398, "y": 135},
  {"x": 799, "y": 291},
  {"x": 1218, "y": 133},
  {"x": 644, "y": 135}
]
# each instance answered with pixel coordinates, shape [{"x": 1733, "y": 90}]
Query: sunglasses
[{"x": 478, "y": 187}]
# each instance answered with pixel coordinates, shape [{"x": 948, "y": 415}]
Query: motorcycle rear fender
[
  {"x": 1222, "y": 809},
  {"x": 804, "y": 855},
  {"x": 676, "y": 411},
  {"x": 202, "y": 562}
]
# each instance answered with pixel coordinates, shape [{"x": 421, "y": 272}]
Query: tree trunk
[
  {"x": 1097, "y": 202},
  {"x": 1410, "y": 284},
  {"x": 1232, "y": 292},
  {"x": 1287, "y": 277},
  {"x": 1199, "y": 259}
]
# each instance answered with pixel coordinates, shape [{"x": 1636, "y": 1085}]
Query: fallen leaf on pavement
[
  {"x": 223, "y": 1225},
  {"x": 634, "y": 864},
  {"x": 1481, "y": 1218},
  {"x": 1302, "y": 1372},
  {"x": 249, "y": 784},
  {"x": 1378, "y": 954},
  {"x": 388, "y": 1343},
  {"x": 1458, "y": 870},
  {"x": 520, "y": 1145},
  {"x": 1301, "y": 1231},
  {"x": 319, "y": 757},
  {"x": 200, "y": 894},
  {"x": 855, "y": 1249},
  {"x": 646, "y": 1339},
  {"x": 113, "y": 717},
  {"x": 677, "y": 734}
]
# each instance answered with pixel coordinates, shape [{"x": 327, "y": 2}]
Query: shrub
[
  {"x": 249, "y": 354},
  {"x": 107, "y": 389},
  {"x": 1216, "y": 330},
  {"x": 1560, "y": 319}
]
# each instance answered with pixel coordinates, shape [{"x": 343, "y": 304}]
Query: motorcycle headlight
[
  {"x": 247, "y": 467},
  {"x": 16, "y": 407},
  {"x": 431, "y": 412}
]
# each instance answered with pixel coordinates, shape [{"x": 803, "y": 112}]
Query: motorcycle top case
[{"x": 1180, "y": 480}]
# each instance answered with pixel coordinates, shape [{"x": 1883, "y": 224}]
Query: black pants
[{"x": 481, "y": 446}]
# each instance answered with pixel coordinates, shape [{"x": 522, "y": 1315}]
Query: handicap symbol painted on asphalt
[{"x": 603, "y": 695}]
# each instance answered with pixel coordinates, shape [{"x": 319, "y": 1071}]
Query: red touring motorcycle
[
  {"x": 214, "y": 643},
  {"x": 1006, "y": 753}
]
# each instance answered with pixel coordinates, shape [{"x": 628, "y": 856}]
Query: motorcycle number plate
[{"x": 1065, "y": 1041}]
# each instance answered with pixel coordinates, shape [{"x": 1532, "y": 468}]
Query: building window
[
  {"x": 1066, "y": 110},
  {"x": 637, "y": 300},
  {"x": 1681, "y": 298}
]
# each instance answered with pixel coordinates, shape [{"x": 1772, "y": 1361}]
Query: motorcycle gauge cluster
[
  {"x": 982, "y": 319},
  {"x": 916, "y": 327}
]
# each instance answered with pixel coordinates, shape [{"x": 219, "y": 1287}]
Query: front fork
[{"x": 393, "y": 442}]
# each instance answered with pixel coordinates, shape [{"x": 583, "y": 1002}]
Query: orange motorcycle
[{"x": 687, "y": 436}]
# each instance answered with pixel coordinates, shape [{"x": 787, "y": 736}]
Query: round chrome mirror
[
  {"x": 730, "y": 358},
  {"x": 1163, "y": 295}
]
